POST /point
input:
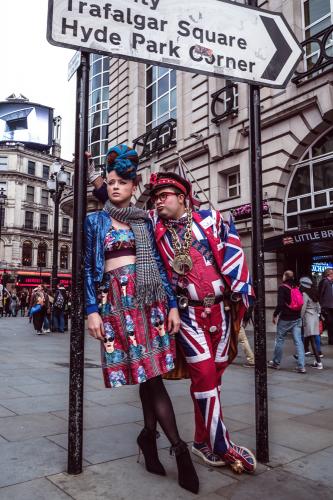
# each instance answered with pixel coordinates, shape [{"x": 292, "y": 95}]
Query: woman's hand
[
  {"x": 95, "y": 326},
  {"x": 173, "y": 321}
]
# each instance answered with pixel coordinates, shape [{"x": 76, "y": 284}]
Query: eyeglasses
[
  {"x": 108, "y": 339},
  {"x": 162, "y": 196},
  {"x": 158, "y": 323}
]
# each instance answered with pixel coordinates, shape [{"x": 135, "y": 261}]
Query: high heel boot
[
  {"x": 147, "y": 444},
  {"x": 187, "y": 476}
]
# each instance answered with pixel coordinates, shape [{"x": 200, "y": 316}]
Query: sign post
[
  {"x": 215, "y": 38},
  {"x": 75, "y": 419}
]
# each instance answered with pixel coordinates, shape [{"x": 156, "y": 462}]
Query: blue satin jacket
[{"x": 96, "y": 226}]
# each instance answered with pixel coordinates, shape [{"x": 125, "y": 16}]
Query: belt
[{"x": 184, "y": 302}]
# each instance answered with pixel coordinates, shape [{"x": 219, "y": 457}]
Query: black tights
[{"x": 157, "y": 407}]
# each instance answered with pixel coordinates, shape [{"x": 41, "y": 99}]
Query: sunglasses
[
  {"x": 162, "y": 196},
  {"x": 158, "y": 323},
  {"x": 108, "y": 339}
]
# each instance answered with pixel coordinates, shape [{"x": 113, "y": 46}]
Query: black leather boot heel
[
  {"x": 147, "y": 444},
  {"x": 187, "y": 476}
]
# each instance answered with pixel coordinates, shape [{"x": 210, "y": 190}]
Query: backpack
[
  {"x": 296, "y": 298},
  {"x": 59, "y": 302}
]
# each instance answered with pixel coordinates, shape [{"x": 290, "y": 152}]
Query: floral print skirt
[{"x": 137, "y": 346}]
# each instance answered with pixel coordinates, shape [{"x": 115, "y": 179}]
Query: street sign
[
  {"x": 74, "y": 64},
  {"x": 213, "y": 37}
]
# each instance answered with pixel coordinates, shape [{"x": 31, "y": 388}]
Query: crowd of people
[
  {"x": 47, "y": 310},
  {"x": 305, "y": 311}
]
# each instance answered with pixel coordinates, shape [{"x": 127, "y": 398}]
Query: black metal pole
[
  {"x": 55, "y": 239},
  {"x": 258, "y": 272},
  {"x": 0, "y": 219},
  {"x": 75, "y": 418}
]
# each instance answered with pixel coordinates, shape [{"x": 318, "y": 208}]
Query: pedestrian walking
[
  {"x": 199, "y": 251},
  {"x": 243, "y": 341},
  {"x": 287, "y": 317},
  {"x": 14, "y": 304},
  {"x": 326, "y": 301},
  {"x": 38, "y": 313},
  {"x": 310, "y": 316},
  {"x": 7, "y": 303},
  {"x": 1, "y": 299},
  {"x": 132, "y": 321},
  {"x": 59, "y": 305},
  {"x": 23, "y": 299}
]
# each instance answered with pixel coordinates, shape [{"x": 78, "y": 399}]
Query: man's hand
[
  {"x": 95, "y": 326},
  {"x": 173, "y": 321}
]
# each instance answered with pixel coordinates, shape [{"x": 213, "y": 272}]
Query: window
[
  {"x": 43, "y": 222},
  {"x": 27, "y": 253},
  {"x": 42, "y": 255},
  {"x": 29, "y": 220},
  {"x": 44, "y": 197},
  {"x": 46, "y": 171},
  {"x": 3, "y": 162},
  {"x": 31, "y": 168},
  {"x": 318, "y": 15},
  {"x": 2, "y": 218},
  {"x": 65, "y": 225},
  {"x": 233, "y": 185},
  {"x": 161, "y": 95},
  {"x": 98, "y": 107},
  {"x": 311, "y": 187},
  {"x": 64, "y": 257},
  {"x": 30, "y": 194}
]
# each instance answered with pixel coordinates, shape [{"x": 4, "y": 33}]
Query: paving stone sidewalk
[{"x": 33, "y": 428}]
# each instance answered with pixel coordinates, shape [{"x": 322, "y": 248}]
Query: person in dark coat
[{"x": 326, "y": 302}]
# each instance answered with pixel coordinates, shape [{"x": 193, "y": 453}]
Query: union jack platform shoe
[
  {"x": 240, "y": 459},
  {"x": 203, "y": 451}
]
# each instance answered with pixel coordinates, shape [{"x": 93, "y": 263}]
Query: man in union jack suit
[{"x": 206, "y": 266}]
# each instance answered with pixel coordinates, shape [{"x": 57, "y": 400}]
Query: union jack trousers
[{"x": 204, "y": 343}]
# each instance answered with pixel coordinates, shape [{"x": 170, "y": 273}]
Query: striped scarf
[{"x": 149, "y": 286}]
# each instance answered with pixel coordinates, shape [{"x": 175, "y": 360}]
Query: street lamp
[
  {"x": 3, "y": 198},
  {"x": 56, "y": 185}
]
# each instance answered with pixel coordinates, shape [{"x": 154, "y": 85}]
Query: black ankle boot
[
  {"x": 187, "y": 476},
  {"x": 147, "y": 444}
]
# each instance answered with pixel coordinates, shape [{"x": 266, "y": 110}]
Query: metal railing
[
  {"x": 227, "y": 98},
  {"x": 322, "y": 41},
  {"x": 157, "y": 139}
]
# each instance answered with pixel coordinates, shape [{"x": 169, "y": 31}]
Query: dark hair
[{"x": 312, "y": 292}]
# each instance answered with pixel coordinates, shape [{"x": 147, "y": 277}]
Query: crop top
[{"x": 119, "y": 243}]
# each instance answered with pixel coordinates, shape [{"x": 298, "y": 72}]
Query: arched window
[
  {"x": 64, "y": 257},
  {"x": 27, "y": 253},
  {"x": 311, "y": 187},
  {"x": 42, "y": 255}
]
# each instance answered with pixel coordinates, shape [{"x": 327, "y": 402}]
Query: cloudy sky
[{"x": 33, "y": 67}]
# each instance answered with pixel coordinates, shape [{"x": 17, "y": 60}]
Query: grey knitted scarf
[{"x": 149, "y": 286}]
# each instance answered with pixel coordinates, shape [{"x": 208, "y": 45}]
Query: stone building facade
[
  {"x": 206, "y": 122},
  {"x": 26, "y": 244}
]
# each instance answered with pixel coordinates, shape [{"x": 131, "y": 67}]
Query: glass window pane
[
  {"x": 97, "y": 67},
  {"x": 105, "y": 116},
  {"x": 173, "y": 99},
  {"x": 96, "y": 119},
  {"x": 162, "y": 71},
  {"x": 105, "y": 94},
  {"x": 105, "y": 79},
  {"x": 324, "y": 145},
  {"x": 173, "y": 78},
  {"x": 320, "y": 200},
  {"x": 233, "y": 191},
  {"x": 96, "y": 82},
  {"x": 301, "y": 182},
  {"x": 292, "y": 206},
  {"x": 95, "y": 149},
  {"x": 331, "y": 197},
  {"x": 316, "y": 28},
  {"x": 315, "y": 9},
  {"x": 163, "y": 85},
  {"x": 292, "y": 221},
  {"x": 305, "y": 203},
  {"x": 104, "y": 132},
  {"x": 163, "y": 105},
  {"x": 95, "y": 134},
  {"x": 151, "y": 93},
  {"x": 106, "y": 64},
  {"x": 323, "y": 176},
  {"x": 96, "y": 97}
]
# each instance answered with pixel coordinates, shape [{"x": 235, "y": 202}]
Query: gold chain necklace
[{"x": 182, "y": 262}]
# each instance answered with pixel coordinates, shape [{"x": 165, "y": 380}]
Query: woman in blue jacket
[{"x": 123, "y": 264}]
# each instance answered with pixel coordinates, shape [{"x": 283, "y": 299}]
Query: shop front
[
  {"x": 307, "y": 252},
  {"x": 29, "y": 279}
]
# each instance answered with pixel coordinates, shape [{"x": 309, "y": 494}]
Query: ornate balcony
[
  {"x": 157, "y": 139},
  {"x": 224, "y": 102},
  {"x": 318, "y": 55}
]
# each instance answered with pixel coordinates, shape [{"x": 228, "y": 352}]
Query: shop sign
[
  {"x": 213, "y": 37},
  {"x": 323, "y": 234}
]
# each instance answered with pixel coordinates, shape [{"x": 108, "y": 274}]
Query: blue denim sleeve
[
  {"x": 102, "y": 193},
  {"x": 89, "y": 285},
  {"x": 172, "y": 301}
]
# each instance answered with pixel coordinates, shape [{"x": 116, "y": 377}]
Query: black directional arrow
[{"x": 282, "y": 53}]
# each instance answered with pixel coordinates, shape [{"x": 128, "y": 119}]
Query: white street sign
[
  {"x": 214, "y": 37},
  {"x": 74, "y": 64}
]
